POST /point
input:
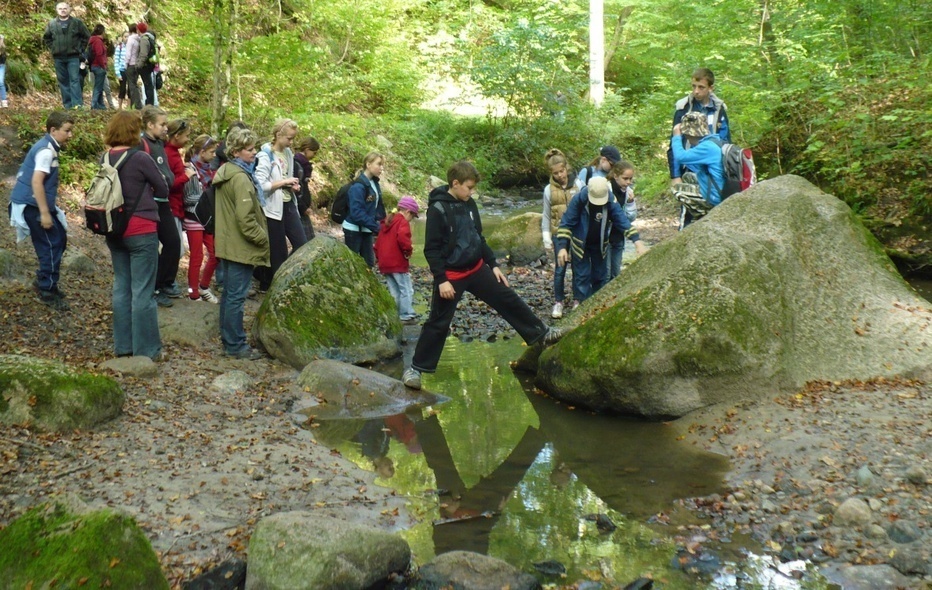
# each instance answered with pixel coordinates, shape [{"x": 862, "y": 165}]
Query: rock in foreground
[
  {"x": 779, "y": 286},
  {"x": 65, "y": 545},
  {"x": 326, "y": 303},
  {"x": 464, "y": 569},
  {"x": 53, "y": 397},
  {"x": 308, "y": 551}
]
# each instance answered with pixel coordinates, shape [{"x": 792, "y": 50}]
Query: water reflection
[{"x": 502, "y": 471}]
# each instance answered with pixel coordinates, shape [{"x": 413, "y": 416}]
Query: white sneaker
[
  {"x": 412, "y": 378},
  {"x": 207, "y": 296},
  {"x": 575, "y": 304},
  {"x": 4, "y": 104},
  {"x": 557, "y": 312}
]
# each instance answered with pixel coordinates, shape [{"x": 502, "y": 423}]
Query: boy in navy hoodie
[
  {"x": 33, "y": 211},
  {"x": 461, "y": 261}
]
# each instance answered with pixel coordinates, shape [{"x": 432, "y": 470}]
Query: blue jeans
[
  {"x": 135, "y": 314},
  {"x": 97, "y": 98},
  {"x": 50, "y": 245},
  {"x": 236, "y": 280},
  {"x": 360, "y": 243},
  {"x": 68, "y": 72},
  {"x": 402, "y": 290},
  {"x": 2, "y": 81},
  {"x": 613, "y": 260},
  {"x": 559, "y": 278},
  {"x": 589, "y": 272}
]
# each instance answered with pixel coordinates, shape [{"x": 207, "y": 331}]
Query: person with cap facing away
[
  {"x": 393, "y": 248},
  {"x": 584, "y": 231},
  {"x": 600, "y": 166},
  {"x": 701, "y": 185}
]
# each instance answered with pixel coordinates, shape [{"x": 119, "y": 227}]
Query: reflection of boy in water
[{"x": 375, "y": 437}]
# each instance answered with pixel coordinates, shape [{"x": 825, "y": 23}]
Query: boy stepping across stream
[{"x": 461, "y": 261}]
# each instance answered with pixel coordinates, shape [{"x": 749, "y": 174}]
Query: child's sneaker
[
  {"x": 552, "y": 336},
  {"x": 412, "y": 378},
  {"x": 557, "y": 312},
  {"x": 207, "y": 296}
]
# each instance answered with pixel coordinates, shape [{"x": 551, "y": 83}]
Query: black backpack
[
  {"x": 340, "y": 208},
  {"x": 205, "y": 210}
]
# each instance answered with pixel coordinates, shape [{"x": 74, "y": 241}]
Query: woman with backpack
[
  {"x": 135, "y": 254},
  {"x": 365, "y": 208}
]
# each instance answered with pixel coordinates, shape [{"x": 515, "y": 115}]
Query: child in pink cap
[{"x": 393, "y": 250}]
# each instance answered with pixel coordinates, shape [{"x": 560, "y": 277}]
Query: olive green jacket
[{"x": 241, "y": 233}]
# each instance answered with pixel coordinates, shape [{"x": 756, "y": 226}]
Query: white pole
[{"x": 596, "y": 53}]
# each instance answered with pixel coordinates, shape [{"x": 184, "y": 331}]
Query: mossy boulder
[
  {"x": 51, "y": 396},
  {"x": 778, "y": 286},
  {"x": 326, "y": 303},
  {"x": 349, "y": 391},
  {"x": 308, "y": 551},
  {"x": 519, "y": 238},
  {"x": 63, "y": 544}
]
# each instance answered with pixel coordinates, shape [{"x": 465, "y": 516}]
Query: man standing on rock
[{"x": 67, "y": 37}]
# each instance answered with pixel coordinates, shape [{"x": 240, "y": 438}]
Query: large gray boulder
[
  {"x": 326, "y": 303},
  {"x": 778, "y": 286},
  {"x": 348, "y": 391},
  {"x": 64, "y": 544},
  {"x": 53, "y": 397},
  {"x": 308, "y": 551},
  {"x": 519, "y": 239}
]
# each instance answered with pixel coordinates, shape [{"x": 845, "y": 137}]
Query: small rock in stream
[{"x": 550, "y": 568}]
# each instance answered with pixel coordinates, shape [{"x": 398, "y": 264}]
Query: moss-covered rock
[
  {"x": 326, "y": 303},
  {"x": 519, "y": 238},
  {"x": 51, "y": 396},
  {"x": 64, "y": 545},
  {"x": 349, "y": 391},
  {"x": 307, "y": 551},
  {"x": 778, "y": 286}
]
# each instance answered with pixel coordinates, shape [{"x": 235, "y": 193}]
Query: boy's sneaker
[
  {"x": 171, "y": 291},
  {"x": 53, "y": 300},
  {"x": 575, "y": 305},
  {"x": 557, "y": 312},
  {"x": 411, "y": 378},
  {"x": 249, "y": 353},
  {"x": 162, "y": 299},
  {"x": 552, "y": 336},
  {"x": 207, "y": 296}
]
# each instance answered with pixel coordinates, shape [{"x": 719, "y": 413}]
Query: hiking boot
[
  {"x": 163, "y": 300},
  {"x": 409, "y": 321},
  {"x": 557, "y": 312},
  {"x": 411, "y": 378},
  {"x": 53, "y": 300},
  {"x": 552, "y": 336},
  {"x": 249, "y": 353},
  {"x": 171, "y": 291},
  {"x": 207, "y": 295}
]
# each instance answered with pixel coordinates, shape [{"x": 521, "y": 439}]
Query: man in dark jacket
[
  {"x": 461, "y": 261},
  {"x": 67, "y": 37}
]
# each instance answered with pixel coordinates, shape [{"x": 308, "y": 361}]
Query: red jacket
[
  {"x": 176, "y": 190},
  {"x": 98, "y": 52},
  {"x": 393, "y": 245}
]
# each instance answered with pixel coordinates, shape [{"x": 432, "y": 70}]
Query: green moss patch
[{"x": 56, "y": 545}]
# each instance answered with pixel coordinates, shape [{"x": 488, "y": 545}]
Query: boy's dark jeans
[
  {"x": 50, "y": 245},
  {"x": 486, "y": 287},
  {"x": 170, "y": 256}
]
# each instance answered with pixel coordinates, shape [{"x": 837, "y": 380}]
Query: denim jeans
[
  {"x": 50, "y": 246},
  {"x": 360, "y": 243},
  {"x": 2, "y": 81},
  {"x": 97, "y": 98},
  {"x": 68, "y": 72},
  {"x": 236, "y": 280},
  {"x": 559, "y": 279},
  {"x": 613, "y": 260},
  {"x": 402, "y": 290},
  {"x": 589, "y": 272},
  {"x": 135, "y": 313}
]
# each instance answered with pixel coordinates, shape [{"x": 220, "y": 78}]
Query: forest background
[{"x": 834, "y": 90}]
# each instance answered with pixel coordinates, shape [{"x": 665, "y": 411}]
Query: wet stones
[{"x": 853, "y": 512}]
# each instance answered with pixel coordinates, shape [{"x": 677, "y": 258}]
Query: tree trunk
[
  {"x": 619, "y": 31},
  {"x": 223, "y": 17},
  {"x": 596, "y": 53}
]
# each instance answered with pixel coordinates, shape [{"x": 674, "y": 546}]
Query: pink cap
[{"x": 410, "y": 204}]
